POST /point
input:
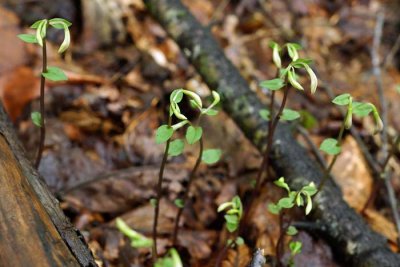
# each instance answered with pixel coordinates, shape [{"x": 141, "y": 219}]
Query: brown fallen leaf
[
  {"x": 382, "y": 225},
  {"x": 351, "y": 174},
  {"x": 19, "y": 87}
]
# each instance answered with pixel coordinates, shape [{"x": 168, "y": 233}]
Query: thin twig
[
  {"x": 158, "y": 198},
  {"x": 186, "y": 195},
  {"x": 383, "y": 105},
  {"x": 42, "y": 122},
  {"x": 329, "y": 169},
  {"x": 303, "y": 132}
]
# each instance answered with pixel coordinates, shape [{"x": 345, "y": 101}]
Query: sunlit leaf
[
  {"x": 163, "y": 133},
  {"x": 211, "y": 156},
  {"x": 55, "y": 74},
  {"x": 28, "y": 38},
  {"x": 330, "y": 146},
  {"x": 193, "y": 134},
  {"x": 274, "y": 84},
  {"x": 342, "y": 100},
  {"x": 176, "y": 147}
]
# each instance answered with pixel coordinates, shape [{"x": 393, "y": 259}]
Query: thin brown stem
[
  {"x": 279, "y": 249},
  {"x": 158, "y": 198},
  {"x": 329, "y": 169},
  {"x": 265, "y": 160},
  {"x": 42, "y": 123},
  {"x": 186, "y": 195}
]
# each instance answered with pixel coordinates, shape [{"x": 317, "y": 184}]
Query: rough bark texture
[
  {"x": 33, "y": 229},
  {"x": 353, "y": 241}
]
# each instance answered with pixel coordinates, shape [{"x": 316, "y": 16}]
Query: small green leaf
[
  {"x": 274, "y": 209},
  {"x": 153, "y": 202},
  {"x": 276, "y": 58},
  {"x": 239, "y": 241},
  {"x": 55, "y": 74},
  {"x": 142, "y": 243},
  {"x": 299, "y": 63},
  {"x": 292, "y": 50},
  {"x": 265, "y": 114},
  {"x": 309, "y": 204},
  {"x": 274, "y": 84},
  {"x": 176, "y": 96},
  {"x": 362, "y": 109},
  {"x": 289, "y": 115},
  {"x": 330, "y": 146},
  {"x": 210, "y": 112},
  {"x": 295, "y": 247},
  {"x": 179, "y": 203},
  {"x": 224, "y": 206},
  {"x": 292, "y": 80},
  {"x": 36, "y": 24},
  {"x": 36, "y": 118},
  {"x": 211, "y": 156},
  {"x": 233, "y": 219},
  {"x": 28, "y": 38},
  {"x": 231, "y": 227},
  {"x": 286, "y": 203},
  {"x": 281, "y": 183},
  {"x": 59, "y": 23},
  {"x": 163, "y": 133},
  {"x": 291, "y": 230},
  {"x": 310, "y": 189},
  {"x": 342, "y": 100},
  {"x": 307, "y": 120},
  {"x": 176, "y": 147},
  {"x": 193, "y": 134}
]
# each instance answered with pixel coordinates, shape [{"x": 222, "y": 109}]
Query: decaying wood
[
  {"x": 33, "y": 229},
  {"x": 353, "y": 241}
]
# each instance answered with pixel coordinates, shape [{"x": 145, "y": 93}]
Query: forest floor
[{"x": 101, "y": 159}]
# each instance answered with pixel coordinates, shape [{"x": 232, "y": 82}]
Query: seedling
[
  {"x": 194, "y": 135},
  {"x": 301, "y": 198},
  {"x": 51, "y": 73},
  {"x": 137, "y": 240},
  {"x": 332, "y": 146},
  {"x": 286, "y": 79},
  {"x": 234, "y": 212}
]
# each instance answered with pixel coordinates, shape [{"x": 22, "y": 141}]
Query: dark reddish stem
[
  {"x": 265, "y": 161},
  {"x": 42, "y": 123},
  {"x": 186, "y": 195},
  {"x": 158, "y": 198}
]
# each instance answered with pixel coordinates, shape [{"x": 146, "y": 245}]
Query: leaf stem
[
  {"x": 265, "y": 161},
  {"x": 329, "y": 169},
  {"x": 42, "y": 122},
  {"x": 186, "y": 195},
  {"x": 159, "y": 193}
]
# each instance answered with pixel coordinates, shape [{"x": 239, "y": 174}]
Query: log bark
[
  {"x": 352, "y": 240},
  {"x": 33, "y": 229}
]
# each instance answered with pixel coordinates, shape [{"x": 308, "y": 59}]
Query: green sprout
[
  {"x": 285, "y": 79},
  {"x": 137, "y": 240},
  {"x": 301, "y": 198},
  {"x": 233, "y": 214},
  {"x": 193, "y": 135},
  {"x": 50, "y": 73},
  {"x": 332, "y": 146}
]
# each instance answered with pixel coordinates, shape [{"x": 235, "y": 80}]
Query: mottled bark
[
  {"x": 33, "y": 229},
  {"x": 353, "y": 241}
]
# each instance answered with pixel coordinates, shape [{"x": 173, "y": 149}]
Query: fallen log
[
  {"x": 33, "y": 229},
  {"x": 352, "y": 240}
]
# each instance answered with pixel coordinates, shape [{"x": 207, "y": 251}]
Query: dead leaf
[{"x": 352, "y": 175}]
